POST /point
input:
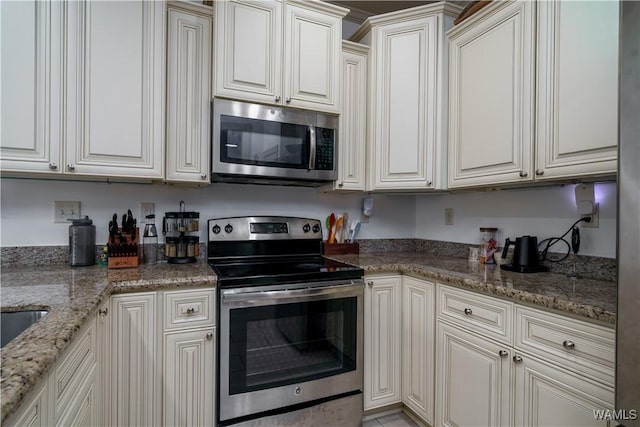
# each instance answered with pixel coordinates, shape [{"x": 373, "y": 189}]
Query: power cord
[{"x": 574, "y": 245}]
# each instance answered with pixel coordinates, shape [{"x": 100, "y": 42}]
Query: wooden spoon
[
  {"x": 335, "y": 231},
  {"x": 331, "y": 220}
]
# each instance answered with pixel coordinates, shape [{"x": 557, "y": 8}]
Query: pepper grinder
[{"x": 150, "y": 241}]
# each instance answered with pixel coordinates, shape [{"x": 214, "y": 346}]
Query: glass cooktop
[{"x": 275, "y": 271}]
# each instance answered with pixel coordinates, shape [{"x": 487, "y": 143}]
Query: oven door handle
[{"x": 291, "y": 293}]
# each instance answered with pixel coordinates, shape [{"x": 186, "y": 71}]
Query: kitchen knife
[{"x": 115, "y": 221}]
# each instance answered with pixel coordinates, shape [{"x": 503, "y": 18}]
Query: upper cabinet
[
  {"x": 408, "y": 97},
  {"x": 280, "y": 53},
  {"x": 533, "y": 93},
  {"x": 31, "y": 77},
  {"x": 188, "y": 92}
]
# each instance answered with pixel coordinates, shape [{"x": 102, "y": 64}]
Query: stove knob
[
  {"x": 306, "y": 228},
  {"x": 216, "y": 229},
  {"x": 228, "y": 228},
  {"x": 316, "y": 228}
]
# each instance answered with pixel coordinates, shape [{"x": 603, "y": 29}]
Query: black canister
[{"x": 82, "y": 242}]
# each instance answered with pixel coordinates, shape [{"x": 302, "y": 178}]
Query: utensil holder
[{"x": 340, "y": 248}]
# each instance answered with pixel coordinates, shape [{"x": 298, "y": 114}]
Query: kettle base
[{"x": 523, "y": 268}]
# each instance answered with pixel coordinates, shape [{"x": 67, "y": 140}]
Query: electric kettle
[{"x": 525, "y": 255}]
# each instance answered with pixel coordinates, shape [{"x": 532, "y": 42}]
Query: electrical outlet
[
  {"x": 64, "y": 211},
  {"x": 146, "y": 208},
  {"x": 595, "y": 218},
  {"x": 448, "y": 216}
]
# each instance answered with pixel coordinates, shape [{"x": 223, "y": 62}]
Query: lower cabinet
[{"x": 34, "y": 410}]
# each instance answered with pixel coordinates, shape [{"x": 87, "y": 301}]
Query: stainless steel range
[{"x": 290, "y": 324}]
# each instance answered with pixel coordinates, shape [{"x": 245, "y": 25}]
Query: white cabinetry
[
  {"x": 382, "y": 340},
  {"x": 418, "y": 342},
  {"x": 188, "y": 92},
  {"x": 533, "y": 93},
  {"x": 189, "y": 358},
  {"x": 115, "y": 88},
  {"x": 283, "y": 53},
  {"x": 408, "y": 97},
  {"x": 103, "y": 334},
  {"x": 34, "y": 410},
  {"x": 31, "y": 77},
  {"x": 134, "y": 352},
  {"x": 352, "y": 142}
]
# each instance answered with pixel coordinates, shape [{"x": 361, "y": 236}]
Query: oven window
[
  {"x": 276, "y": 345},
  {"x": 263, "y": 143}
]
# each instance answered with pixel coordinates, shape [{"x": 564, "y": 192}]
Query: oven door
[{"x": 289, "y": 344}]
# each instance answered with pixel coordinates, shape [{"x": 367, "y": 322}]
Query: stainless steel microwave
[{"x": 272, "y": 145}]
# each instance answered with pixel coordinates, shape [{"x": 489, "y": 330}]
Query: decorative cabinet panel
[
  {"x": 32, "y": 80},
  {"x": 104, "y": 351},
  {"x": 352, "y": 141},
  {"x": 577, "y": 89},
  {"x": 408, "y": 97},
  {"x": 473, "y": 379},
  {"x": 115, "y": 89},
  {"x": 134, "y": 376},
  {"x": 491, "y": 94},
  {"x": 188, "y": 95},
  {"x": 382, "y": 338},
  {"x": 34, "y": 410},
  {"x": 418, "y": 343},
  {"x": 189, "y": 378},
  {"x": 281, "y": 53}
]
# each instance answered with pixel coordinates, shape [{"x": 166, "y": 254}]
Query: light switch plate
[
  {"x": 64, "y": 211},
  {"x": 146, "y": 208}
]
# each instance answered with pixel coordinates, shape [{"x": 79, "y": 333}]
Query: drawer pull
[
  {"x": 468, "y": 311},
  {"x": 517, "y": 359},
  {"x": 370, "y": 283},
  {"x": 209, "y": 336},
  {"x": 191, "y": 310},
  {"x": 569, "y": 345},
  {"x": 503, "y": 353}
]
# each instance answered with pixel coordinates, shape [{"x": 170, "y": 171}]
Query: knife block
[
  {"x": 127, "y": 254},
  {"x": 340, "y": 248}
]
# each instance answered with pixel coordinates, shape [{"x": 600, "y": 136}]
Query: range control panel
[{"x": 263, "y": 228}]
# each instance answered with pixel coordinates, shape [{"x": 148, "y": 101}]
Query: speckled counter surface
[
  {"x": 71, "y": 295},
  {"x": 590, "y": 299}
]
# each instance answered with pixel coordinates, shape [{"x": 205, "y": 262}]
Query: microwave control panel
[{"x": 325, "y": 139}]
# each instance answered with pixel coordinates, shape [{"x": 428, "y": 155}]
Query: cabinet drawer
[
  {"x": 75, "y": 367},
  {"x": 576, "y": 345},
  {"x": 485, "y": 315},
  {"x": 190, "y": 309}
]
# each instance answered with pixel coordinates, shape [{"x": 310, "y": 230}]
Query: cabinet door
[
  {"x": 31, "y": 79},
  {"x": 115, "y": 88},
  {"x": 85, "y": 410},
  {"x": 312, "y": 59},
  {"x": 403, "y": 100},
  {"x": 577, "y": 88},
  {"x": 188, "y": 96},
  {"x": 549, "y": 396},
  {"x": 248, "y": 41},
  {"x": 353, "y": 119},
  {"x": 134, "y": 381},
  {"x": 491, "y": 84},
  {"x": 33, "y": 411},
  {"x": 189, "y": 378},
  {"x": 473, "y": 379},
  {"x": 103, "y": 372},
  {"x": 382, "y": 319},
  {"x": 418, "y": 337}
]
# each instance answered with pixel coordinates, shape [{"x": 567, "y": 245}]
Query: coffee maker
[{"x": 525, "y": 255}]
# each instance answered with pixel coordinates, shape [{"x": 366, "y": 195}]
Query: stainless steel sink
[{"x": 12, "y": 323}]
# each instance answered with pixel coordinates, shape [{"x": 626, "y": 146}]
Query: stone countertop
[
  {"x": 71, "y": 295},
  {"x": 590, "y": 299}
]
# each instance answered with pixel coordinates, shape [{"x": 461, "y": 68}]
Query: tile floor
[{"x": 399, "y": 419}]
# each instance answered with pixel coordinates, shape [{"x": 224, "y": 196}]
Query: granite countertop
[
  {"x": 71, "y": 295},
  {"x": 590, "y": 299}
]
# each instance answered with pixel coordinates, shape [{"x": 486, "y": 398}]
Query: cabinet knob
[
  {"x": 70, "y": 167},
  {"x": 203, "y": 176},
  {"x": 209, "y": 336},
  {"x": 340, "y": 184},
  {"x": 517, "y": 359},
  {"x": 288, "y": 100},
  {"x": 429, "y": 183},
  {"x": 569, "y": 345},
  {"x": 277, "y": 99},
  {"x": 103, "y": 311},
  {"x": 191, "y": 310},
  {"x": 539, "y": 172},
  {"x": 53, "y": 166},
  {"x": 370, "y": 283},
  {"x": 468, "y": 311},
  {"x": 503, "y": 353},
  {"x": 523, "y": 174}
]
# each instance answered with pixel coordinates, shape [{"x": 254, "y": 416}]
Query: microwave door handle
[{"x": 312, "y": 147}]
